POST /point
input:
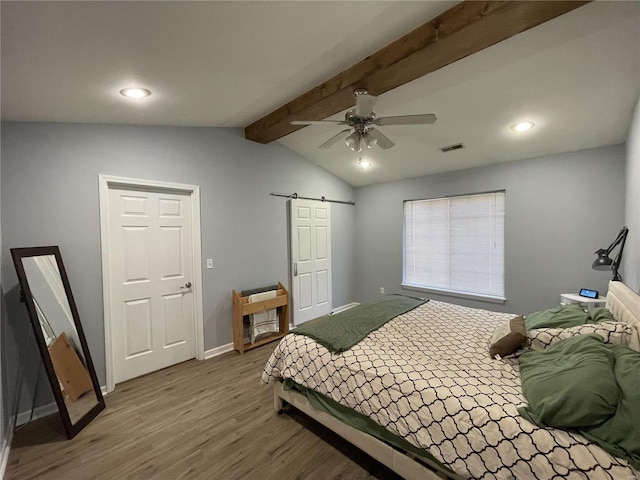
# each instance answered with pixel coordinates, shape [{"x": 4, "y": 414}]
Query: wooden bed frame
[{"x": 623, "y": 302}]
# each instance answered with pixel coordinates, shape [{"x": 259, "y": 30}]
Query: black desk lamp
[{"x": 603, "y": 262}]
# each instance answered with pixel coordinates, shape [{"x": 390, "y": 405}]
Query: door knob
[{"x": 187, "y": 285}]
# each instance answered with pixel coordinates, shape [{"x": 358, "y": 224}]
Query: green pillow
[
  {"x": 570, "y": 384},
  {"x": 564, "y": 316},
  {"x": 601, "y": 314}
]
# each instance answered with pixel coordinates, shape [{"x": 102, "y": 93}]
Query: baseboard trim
[
  {"x": 6, "y": 448},
  {"x": 214, "y": 352},
  {"x": 344, "y": 307},
  {"x": 44, "y": 410},
  {"x": 38, "y": 412}
]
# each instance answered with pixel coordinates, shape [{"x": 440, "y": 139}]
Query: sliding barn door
[{"x": 311, "y": 259}]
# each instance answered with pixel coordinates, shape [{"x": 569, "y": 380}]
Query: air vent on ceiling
[{"x": 448, "y": 148}]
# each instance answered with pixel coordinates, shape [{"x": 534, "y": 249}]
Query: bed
[{"x": 427, "y": 378}]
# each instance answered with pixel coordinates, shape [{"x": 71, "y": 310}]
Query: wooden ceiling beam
[{"x": 464, "y": 29}]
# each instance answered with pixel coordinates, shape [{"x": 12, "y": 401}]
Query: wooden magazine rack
[{"x": 242, "y": 307}]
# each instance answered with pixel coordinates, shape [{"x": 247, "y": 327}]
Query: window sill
[{"x": 454, "y": 293}]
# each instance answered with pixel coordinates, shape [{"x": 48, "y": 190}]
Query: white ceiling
[{"x": 226, "y": 64}]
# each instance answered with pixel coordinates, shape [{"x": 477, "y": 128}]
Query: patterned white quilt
[{"x": 427, "y": 377}]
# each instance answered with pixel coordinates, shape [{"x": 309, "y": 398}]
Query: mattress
[{"x": 426, "y": 376}]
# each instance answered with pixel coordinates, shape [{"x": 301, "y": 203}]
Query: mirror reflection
[{"x": 59, "y": 335}]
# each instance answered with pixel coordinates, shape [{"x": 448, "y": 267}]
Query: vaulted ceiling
[{"x": 230, "y": 64}]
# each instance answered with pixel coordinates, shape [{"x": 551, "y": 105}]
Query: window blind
[{"x": 456, "y": 244}]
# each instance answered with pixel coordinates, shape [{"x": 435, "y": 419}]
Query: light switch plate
[{"x": 209, "y": 262}]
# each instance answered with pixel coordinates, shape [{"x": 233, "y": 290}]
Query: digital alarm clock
[{"x": 585, "y": 292}]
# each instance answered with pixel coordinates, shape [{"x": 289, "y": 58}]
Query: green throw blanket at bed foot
[{"x": 343, "y": 330}]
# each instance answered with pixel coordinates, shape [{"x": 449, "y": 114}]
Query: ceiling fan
[{"x": 363, "y": 123}]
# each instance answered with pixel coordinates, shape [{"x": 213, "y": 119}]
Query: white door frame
[{"x": 106, "y": 182}]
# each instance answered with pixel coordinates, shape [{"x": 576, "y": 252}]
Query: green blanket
[
  {"x": 343, "y": 330},
  {"x": 587, "y": 386},
  {"x": 566, "y": 316}
]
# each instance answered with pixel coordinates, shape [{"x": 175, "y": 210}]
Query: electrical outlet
[
  {"x": 382, "y": 290},
  {"x": 209, "y": 262}
]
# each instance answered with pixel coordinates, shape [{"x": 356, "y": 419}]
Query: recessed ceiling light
[
  {"x": 522, "y": 126},
  {"x": 135, "y": 92}
]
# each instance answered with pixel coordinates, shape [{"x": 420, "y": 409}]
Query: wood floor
[{"x": 207, "y": 419}]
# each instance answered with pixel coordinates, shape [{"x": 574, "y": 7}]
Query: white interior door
[
  {"x": 151, "y": 280},
  {"x": 311, "y": 259}
]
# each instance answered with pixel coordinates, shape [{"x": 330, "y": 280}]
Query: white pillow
[{"x": 617, "y": 333}]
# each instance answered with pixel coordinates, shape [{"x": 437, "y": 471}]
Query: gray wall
[
  {"x": 5, "y": 426},
  {"x": 50, "y": 197},
  {"x": 559, "y": 210},
  {"x": 631, "y": 259}
]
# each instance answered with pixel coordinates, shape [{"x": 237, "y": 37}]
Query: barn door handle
[{"x": 295, "y": 269}]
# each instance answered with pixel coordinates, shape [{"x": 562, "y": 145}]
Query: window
[{"x": 456, "y": 245}]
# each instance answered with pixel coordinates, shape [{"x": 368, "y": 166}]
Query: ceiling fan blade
[
  {"x": 334, "y": 139},
  {"x": 364, "y": 104},
  {"x": 383, "y": 141},
  {"x": 317, "y": 122},
  {"x": 425, "y": 119}
]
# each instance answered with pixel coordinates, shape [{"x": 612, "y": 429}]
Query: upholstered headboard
[{"x": 624, "y": 304}]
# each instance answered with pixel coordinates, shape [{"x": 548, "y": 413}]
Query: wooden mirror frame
[{"x": 18, "y": 254}]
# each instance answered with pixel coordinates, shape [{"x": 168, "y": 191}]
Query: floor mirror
[{"x": 46, "y": 292}]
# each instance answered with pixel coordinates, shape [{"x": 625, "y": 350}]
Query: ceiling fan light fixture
[
  {"x": 369, "y": 140},
  {"x": 523, "y": 126},
  {"x": 353, "y": 141},
  {"x": 364, "y": 164}
]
